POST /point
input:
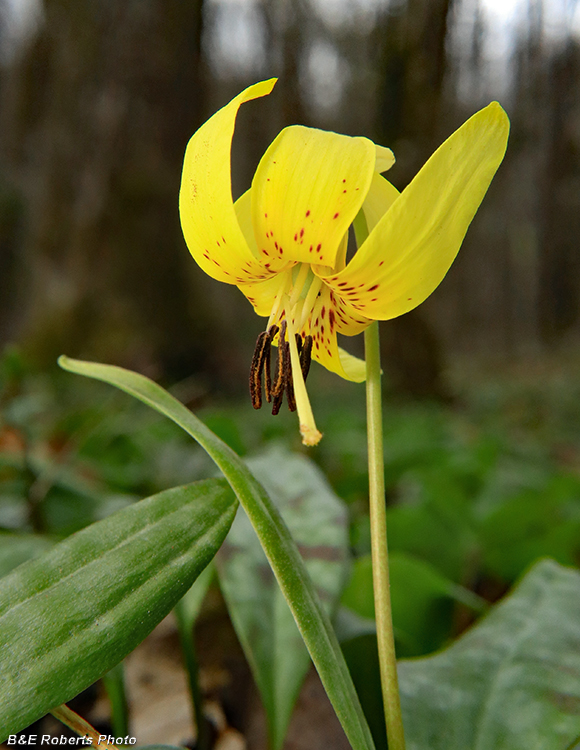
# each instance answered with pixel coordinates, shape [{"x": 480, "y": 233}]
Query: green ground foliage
[{"x": 478, "y": 489}]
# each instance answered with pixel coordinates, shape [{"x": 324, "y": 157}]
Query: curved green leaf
[
  {"x": 318, "y": 521},
  {"x": 512, "y": 682},
  {"x": 69, "y": 616},
  {"x": 274, "y": 536}
]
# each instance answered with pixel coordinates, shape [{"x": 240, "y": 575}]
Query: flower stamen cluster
[{"x": 284, "y": 380}]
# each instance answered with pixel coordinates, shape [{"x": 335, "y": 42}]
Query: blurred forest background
[{"x": 98, "y": 99}]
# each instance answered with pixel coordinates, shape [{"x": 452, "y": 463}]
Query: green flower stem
[{"x": 380, "y": 554}]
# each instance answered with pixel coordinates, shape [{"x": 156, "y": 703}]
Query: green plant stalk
[
  {"x": 114, "y": 682},
  {"x": 380, "y": 553},
  {"x": 188, "y": 650}
]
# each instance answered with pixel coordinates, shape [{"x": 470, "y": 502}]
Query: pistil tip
[{"x": 310, "y": 435}]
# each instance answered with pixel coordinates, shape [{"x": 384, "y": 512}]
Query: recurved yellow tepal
[{"x": 283, "y": 242}]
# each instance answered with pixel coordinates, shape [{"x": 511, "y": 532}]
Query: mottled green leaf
[
  {"x": 318, "y": 521},
  {"x": 70, "y": 615},
  {"x": 512, "y": 682}
]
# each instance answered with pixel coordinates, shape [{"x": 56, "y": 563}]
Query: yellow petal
[
  {"x": 380, "y": 198},
  {"x": 340, "y": 260},
  {"x": 385, "y": 159},
  {"x": 263, "y": 294},
  {"x": 412, "y": 247},
  {"x": 309, "y": 186},
  {"x": 354, "y": 368},
  {"x": 243, "y": 208},
  {"x": 322, "y": 325},
  {"x": 206, "y": 209}
]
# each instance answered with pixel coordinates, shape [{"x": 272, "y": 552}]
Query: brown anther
[
  {"x": 262, "y": 344},
  {"x": 261, "y": 362},
  {"x": 283, "y": 364},
  {"x": 306, "y": 356},
  {"x": 272, "y": 331},
  {"x": 274, "y": 391}
]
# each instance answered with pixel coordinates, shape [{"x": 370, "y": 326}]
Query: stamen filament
[
  {"x": 308, "y": 305},
  {"x": 298, "y": 284},
  {"x": 280, "y": 297},
  {"x": 310, "y": 433}
]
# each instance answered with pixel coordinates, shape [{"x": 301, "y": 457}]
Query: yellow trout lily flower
[{"x": 283, "y": 242}]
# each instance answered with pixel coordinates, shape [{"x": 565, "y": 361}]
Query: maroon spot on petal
[
  {"x": 308, "y": 212},
  {"x": 316, "y": 322},
  {"x": 318, "y": 247},
  {"x": 322, "y": 330},
  {"x": 296, "y": 237},
  {"x": 336, "y": 215},
  {"x": 331, "y": 320},
  {"x": 342, "y": 283},
  {"x": 381, "y": 263},
  {"x": 323, "y": 312},
  {"x": 344, "y": 180},
  {"x": 267, "y": 179},
  {"x": 281, "y": 250},
  {"x": 275, "y": 244},
  {"x": 374, "y": 299},
  {"x": 344, "y": 191},
  {"x": 267, "y": 265},
  {"x": 302, "y": 232},
  {"x": 265, "y": 251},
  {"x": 265, "y": 216},
  {"x": 223, "y": 240},
  {"x": 372, "y": 288},
  {"x": 409, "y": 299}
]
